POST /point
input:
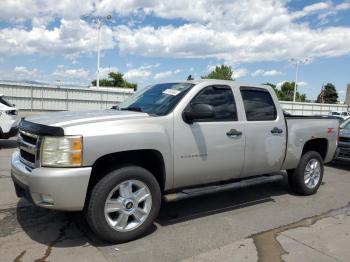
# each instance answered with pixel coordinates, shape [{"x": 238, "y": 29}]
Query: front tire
[
  {"x": 307, "y": 177},
  {"x": 124, "y": 204}
]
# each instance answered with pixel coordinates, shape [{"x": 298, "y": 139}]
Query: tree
[
  {"x": 115, "y": 79},
  {"x": 286, "y": 92},
  {"x": 328, "y": 95},
  {"x": 220, "y": 72}
]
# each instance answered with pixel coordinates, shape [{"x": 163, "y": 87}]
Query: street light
[
  {"x": 98, "y": 22},
  {"x": 296, "y": 62}
]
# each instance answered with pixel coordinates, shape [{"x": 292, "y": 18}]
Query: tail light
[{"x": 338, "y": 135}]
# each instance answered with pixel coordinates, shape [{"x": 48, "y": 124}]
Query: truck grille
[
  {"x": 344, "y": 139},
  {"x": 28, "y": 145}
]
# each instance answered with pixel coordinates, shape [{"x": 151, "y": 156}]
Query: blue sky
[{"x": 154, "y": 40}]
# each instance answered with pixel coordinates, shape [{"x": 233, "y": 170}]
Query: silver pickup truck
[{"x": 117, "y": 164}]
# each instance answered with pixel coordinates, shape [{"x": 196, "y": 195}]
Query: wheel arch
[
  {"x": 320, "y": 145},
  {"x": 150, "y": 159}
]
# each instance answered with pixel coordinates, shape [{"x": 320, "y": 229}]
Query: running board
[{"x": 198, "y": 191}]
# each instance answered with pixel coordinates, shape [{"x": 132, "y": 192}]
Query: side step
[{"x": 198, "y": 191}]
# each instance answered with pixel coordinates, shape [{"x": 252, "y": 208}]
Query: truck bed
[{"x": 300, "y": 129}]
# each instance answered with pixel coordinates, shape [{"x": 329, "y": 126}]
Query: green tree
[
  {"x": 220, "y": 72},
  {"x": 328, "y": 95},
  {"x": 115, "y": 79},
  {"x": 286, "y": 92}
]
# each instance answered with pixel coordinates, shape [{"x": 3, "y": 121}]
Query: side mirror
[{"x": 198, "y": 112}]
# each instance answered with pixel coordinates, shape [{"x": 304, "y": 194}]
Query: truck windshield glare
[{"x": 157, "y": 99}]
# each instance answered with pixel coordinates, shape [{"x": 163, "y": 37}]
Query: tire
[
  {"x": 119, "y": 187},
  {"x": 307, "y": 168}
]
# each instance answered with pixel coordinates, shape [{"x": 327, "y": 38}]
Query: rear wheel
[
  {"x": 307, "y": 177},
  {"x": 124, "y": 204}
]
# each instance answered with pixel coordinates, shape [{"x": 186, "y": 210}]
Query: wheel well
[
  {"x": 319, "y": 145},
  {"x": 152, "y": 160}
]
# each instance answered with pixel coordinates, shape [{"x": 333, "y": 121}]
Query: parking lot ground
[{"x": 264, "y": 222}]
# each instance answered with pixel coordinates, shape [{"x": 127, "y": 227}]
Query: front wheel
[
  {"x": 124, "y": 204},
  {"x": 307, "y": 177}
]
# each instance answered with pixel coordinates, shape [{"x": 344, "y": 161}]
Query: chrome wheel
[
  {"x": 128, "y": 205},
  {"x": 312, "y": 173}
]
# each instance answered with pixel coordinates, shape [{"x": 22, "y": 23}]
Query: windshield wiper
[{"x": 136, "y": 109}]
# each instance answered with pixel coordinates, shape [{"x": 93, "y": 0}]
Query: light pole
[
  {"x": 99, "y": 25},
  {"x": 98, "y": 22},
  {"x": 296, "y": 62}
]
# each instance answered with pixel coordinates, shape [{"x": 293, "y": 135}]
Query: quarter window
[
  {"x": 258, "y": 105},
  {"x": 221, "y": 99}
]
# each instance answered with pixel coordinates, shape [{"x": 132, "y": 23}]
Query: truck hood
[{"x": 71, "y": 118}]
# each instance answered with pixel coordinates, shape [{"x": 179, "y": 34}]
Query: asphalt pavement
[{"x": 264, "y": 222}]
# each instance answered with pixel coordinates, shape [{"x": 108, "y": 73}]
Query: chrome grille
[
  {"x": 344, "y": 139},
  {"x": 28, "y": 148}
]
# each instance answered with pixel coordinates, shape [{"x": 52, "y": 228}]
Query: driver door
[{"x": 207, "y": 151}]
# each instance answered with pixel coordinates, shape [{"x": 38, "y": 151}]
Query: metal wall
[
  {"x": 46, "y": 98},
  {"x": 307, "y": 109},
  {"x": 38, "y": 97}
]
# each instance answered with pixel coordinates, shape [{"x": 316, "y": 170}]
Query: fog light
[{"x": 47, "y": 199}]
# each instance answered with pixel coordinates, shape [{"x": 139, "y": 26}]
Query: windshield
[
  {"x": 5, "y": 102},
  {"x": 157, "y": 99},
  {"x": 346, "y": 124}
]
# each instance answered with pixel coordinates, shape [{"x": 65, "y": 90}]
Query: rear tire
[
  {"x": 124, "y": 204},
  {"x": 307, "y": 177}
]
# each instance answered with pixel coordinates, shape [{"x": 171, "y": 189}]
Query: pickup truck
[{"x": 117, "y": 164}]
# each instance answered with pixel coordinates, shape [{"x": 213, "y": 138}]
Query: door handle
[
  {"x": 276, "y": 130},
  {"x": 233, "y": 132}
]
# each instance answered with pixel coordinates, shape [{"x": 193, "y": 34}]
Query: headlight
[{"x": 63, "y": 151}]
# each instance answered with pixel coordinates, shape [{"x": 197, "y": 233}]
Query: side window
[
  {"x": 221, "y": 98},
  {"x": 258, "y": 105}
]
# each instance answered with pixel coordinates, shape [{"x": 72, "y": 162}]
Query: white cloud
[
  {"x": 302, "y": 84},
  {"x": 262, "y": 72},
  {"x": 71, "y": 73},
  {"x": 239, "y": 72},
  {"x": 22, "y": 70},
  {"x": 311, "y": 9},
  {"x": 199, "y": 41},
  {"x": 239, "y": 31},
  {"x": 149, "y": 66},
  {"x": 104, "y": 71},
  {"x": 71, "y": 38},
  {"x": 166, "y": 74},
  {"x": 137, "y": 74},
  {"x": 35, "y": 10}
]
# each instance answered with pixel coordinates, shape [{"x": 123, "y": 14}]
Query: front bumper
[
  {"x": 54, "y": 188},
  {"x": 344, "y": 152}
]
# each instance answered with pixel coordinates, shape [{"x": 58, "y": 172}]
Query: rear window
[{"x": 258, "y": 105}]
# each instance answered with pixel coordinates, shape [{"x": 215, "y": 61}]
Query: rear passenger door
[{"x": 265, "y": 132}]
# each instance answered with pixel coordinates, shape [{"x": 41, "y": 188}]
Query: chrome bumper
[{"x": 54, "y": 188}]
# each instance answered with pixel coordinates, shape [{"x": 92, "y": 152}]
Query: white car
[
  {"x": 8, "y": 118},
  {"x": 344, "y": 115}
]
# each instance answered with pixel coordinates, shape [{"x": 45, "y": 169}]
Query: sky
[{"x": 152, "y": 41}]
